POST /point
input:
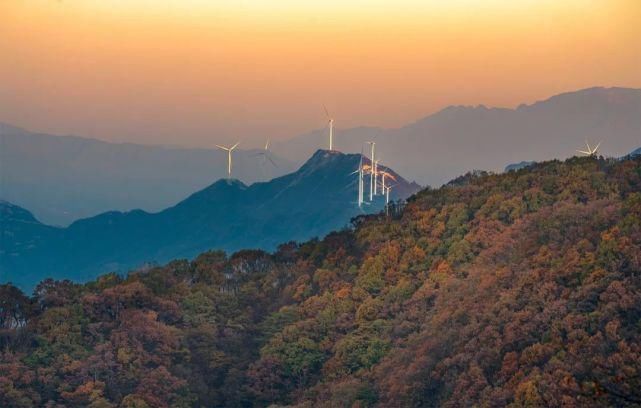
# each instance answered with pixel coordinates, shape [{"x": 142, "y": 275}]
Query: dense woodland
[{"x": 519, "y": 289}]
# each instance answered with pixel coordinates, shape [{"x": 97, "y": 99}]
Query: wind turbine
[
  {"x": 360, "y": 184},
  {"x": 330, "y": 121},
  {"x": 266, "y": 154},
  {"x": 383, "y": 175},
  {"x": 360, "y": 180},
  {"x": 371, "y": 179},
  {"x": 590, "y": 151},
  {"x": 229, "y": 150},
  {"x": 387, "y": 190},
  {"x": 376, "y": 177}
]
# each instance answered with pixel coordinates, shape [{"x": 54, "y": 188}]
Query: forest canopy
[{"x": 518, "y": 289}]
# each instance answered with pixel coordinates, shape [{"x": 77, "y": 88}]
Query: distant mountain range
[
  {"x": 458, "y": 139},
  {"x": 318, "y": 198},
  {"x": 65, "y": 178}
]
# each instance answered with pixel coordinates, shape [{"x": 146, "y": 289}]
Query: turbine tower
[
  {"x": 376, "y": 177},
  {"x": 265, "y": 156},
  {"x": 387, "y": 189},
  {"x": 359, "y": 171},
  {"x": 590, "y": 151},
  {"x": 360, "y": 183},
  {"x": 330, "y": 121},
  {"x": 385, "y": 174},
  {"x": 229, "y": 150},
  {"x": 372, "y": 172},
  {"x": 360, "y": 180}
]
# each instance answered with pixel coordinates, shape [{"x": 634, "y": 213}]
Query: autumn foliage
[{"x": 520, "y": 289}]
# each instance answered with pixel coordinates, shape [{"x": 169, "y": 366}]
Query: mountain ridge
[
  {"x": 432, "y": 150},
  {"x": 318, "y": 198},
  {"x": 65, "y": 178},
  {"x": 461, "y": 138}
]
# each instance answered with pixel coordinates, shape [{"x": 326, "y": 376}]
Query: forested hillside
[{"x": 519, "y": 289}]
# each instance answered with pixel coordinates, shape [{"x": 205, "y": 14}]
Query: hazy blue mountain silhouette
[
  {"x": 318, "y": 198},
  {"x": 458, "y": 139},
  {"x": 65, "y": 178}
]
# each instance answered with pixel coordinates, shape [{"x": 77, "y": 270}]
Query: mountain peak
[
  {"x": 226, "y": 184},
  {"x": 594, "y": 94},
  {"x": 578, "y": 99},
  {"x": 324, "y": 154},
  {"x": 455, "y": 112},
  {"x": 331, "y": 163},
  {"x": 231, "y": 183},
  {"x": 13, "y": 212},
  {"x": 220, "y": 188}
]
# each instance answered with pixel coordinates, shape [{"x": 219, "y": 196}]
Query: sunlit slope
[{"x": 519, "y": 289}]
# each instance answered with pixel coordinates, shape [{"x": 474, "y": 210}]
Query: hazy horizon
[
  {"x": 192, "y": 74},
  {"x": 258, "y": 144}
]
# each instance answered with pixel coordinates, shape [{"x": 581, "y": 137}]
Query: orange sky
[{"x": 199, "y": 72}]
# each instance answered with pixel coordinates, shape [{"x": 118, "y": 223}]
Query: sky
[{"x": 201, "y": 72}]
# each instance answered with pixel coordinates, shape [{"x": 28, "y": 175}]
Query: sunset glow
[{"x": 198, "y": 72}]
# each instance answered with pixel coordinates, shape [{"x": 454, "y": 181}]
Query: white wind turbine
[
  {"x": 387, "y": 190},
  {"x": 385, "y": 174},
  {"x": 371, "y": 160},
  {"x": 330, "y": 122},
  {"x": 360, "y": 183},
  {"x": 229, "y": 150},
  {"x": 590, "y": 151},
  {"x": 375, "y": 169},
  {"x": 360, "y": 180}
]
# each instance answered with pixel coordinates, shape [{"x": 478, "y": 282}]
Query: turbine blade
[
  {"x": 270, "y": 159},
  {"x": 326, "y": 112},
  {"x": 597, "y": 146},
  {"x": 222, "y": 147},
  {"x": 234, "y": 146},
  {"x": 267, "y": 144},
  {"x": 583, "y": 152}
]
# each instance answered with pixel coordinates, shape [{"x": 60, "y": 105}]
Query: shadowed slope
[{"x": 316, "y": 199}]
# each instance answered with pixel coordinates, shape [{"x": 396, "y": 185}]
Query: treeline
[{"x": 519, "y": 289}]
